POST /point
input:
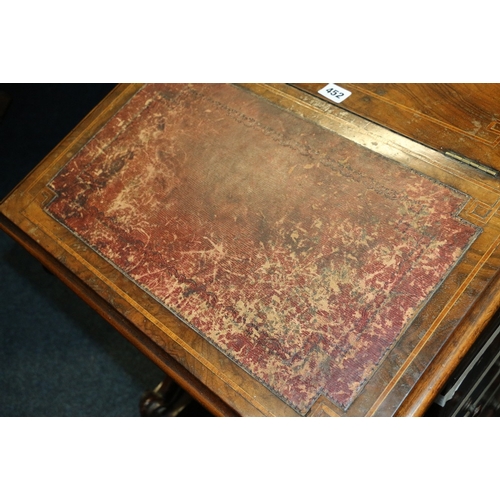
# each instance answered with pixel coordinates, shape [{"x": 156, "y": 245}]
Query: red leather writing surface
[{"x": 298, "y": 253}]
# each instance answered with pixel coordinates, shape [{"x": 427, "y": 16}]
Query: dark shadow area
[{"x": 58, "y": 357}]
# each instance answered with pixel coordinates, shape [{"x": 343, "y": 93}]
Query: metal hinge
[{"x": 472, "y": 163}]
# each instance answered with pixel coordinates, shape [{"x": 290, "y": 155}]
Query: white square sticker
[{"x": 334, "y": 93}]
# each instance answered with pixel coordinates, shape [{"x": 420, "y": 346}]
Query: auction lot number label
[{"x": 334, "y": 93}]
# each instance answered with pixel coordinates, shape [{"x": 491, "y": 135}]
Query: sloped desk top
[
  {"x": 460, "y": 119},
  {"x": 273, "y": 253}
]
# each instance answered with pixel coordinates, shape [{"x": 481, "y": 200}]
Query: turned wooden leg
[{"x": 167, "y": 400}]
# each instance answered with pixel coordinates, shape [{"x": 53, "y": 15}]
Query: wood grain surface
[{"x": 457, "y": 118}]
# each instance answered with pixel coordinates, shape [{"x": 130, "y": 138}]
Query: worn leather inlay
[{"x": 298, "y": 253}]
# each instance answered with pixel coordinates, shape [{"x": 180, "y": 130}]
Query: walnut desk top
[{"x": 275, "y": 254}]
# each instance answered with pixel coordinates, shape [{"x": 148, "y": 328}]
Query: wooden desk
[{"x": 275, "y": 254}]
